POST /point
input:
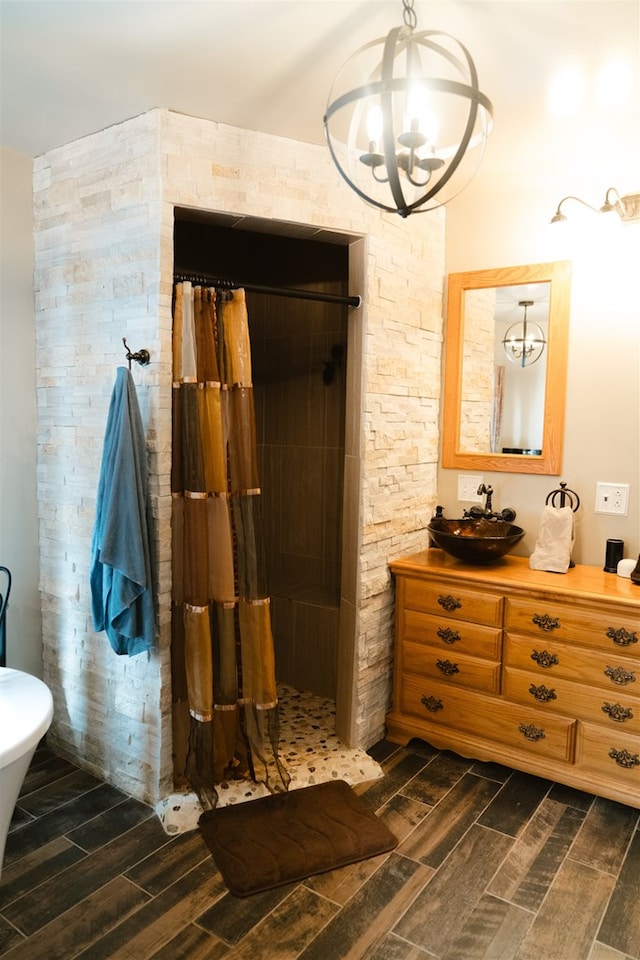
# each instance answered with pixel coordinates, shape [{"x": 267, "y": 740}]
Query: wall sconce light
[
  {"x": 399, "y": 122},
  {"x": 627, "y": 207},
  {"x": 524, "y": 341}
]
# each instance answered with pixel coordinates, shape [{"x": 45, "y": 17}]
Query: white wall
[
  {"x": 499, "y": 222},
  {"x": 18, "y": 513}
]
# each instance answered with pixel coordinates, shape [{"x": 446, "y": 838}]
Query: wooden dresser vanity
[{"x": 538, "y": 671}]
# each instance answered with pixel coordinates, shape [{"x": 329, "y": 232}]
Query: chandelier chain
[{"x": 409, "y": 15}]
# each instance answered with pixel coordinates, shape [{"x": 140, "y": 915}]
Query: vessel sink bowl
[{"x": 475, "y": 541}]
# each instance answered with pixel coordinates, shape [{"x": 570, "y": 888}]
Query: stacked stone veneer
[
  {"x": 476, "y": 402},
  {"x": 104, "y": 209}
]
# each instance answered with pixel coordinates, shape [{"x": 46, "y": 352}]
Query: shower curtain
[{"x": 225, "y": 712}]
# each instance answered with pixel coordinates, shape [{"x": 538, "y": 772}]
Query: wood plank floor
[{"x": 491, "y": 864}]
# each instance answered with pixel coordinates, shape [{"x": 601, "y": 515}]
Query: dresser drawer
[
  {"x": 614, "y": 632},
  {"x": 617, "y": 712},
  {"x": 460, "y": 637},
  {"x": 612, "y": 671},
  {"x": 444, "y": 597},
  {"x": 488, "y": 717},
  {"x": 615, "y": 755},
  {"x": 455, "y": 668}
]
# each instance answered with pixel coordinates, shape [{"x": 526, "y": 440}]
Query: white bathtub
[{"x": 26, "y": 710}]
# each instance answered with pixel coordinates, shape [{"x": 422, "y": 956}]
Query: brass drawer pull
[
  {"x": 448, "y": 635},
  {"x": 432, "y": 704},
  {"x": 545, "y": 622},
  {"x": 531, "y": 733},
  {"x": 624, "y": 759},
  {"x": 544, "y": 659},
  {"x": 448, "y": 668},
  {"x": 542, "y": 693},
  {"x": 619, "y": 675},
  {"x": 449, "y": 603},
  {"x": 617, "y": 712},
  {"x": 621, "y": 636}
]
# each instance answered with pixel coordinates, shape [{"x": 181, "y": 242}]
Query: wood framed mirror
[{"x": 506, "y": 341}]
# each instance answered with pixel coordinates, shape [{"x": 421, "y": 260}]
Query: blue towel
[{"x": 122, "y": 588}]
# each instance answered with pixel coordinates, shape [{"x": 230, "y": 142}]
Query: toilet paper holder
[{"x": 563, "y": 497}]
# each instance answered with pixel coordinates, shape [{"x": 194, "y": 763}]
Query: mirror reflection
[{"x": 505, "y": 368}]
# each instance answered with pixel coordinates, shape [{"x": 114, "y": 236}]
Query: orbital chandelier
[
  {"x": 524, "y": 341},
  {"x": 406, "y": 122}
]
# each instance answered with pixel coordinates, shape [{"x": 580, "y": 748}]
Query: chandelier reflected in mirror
[
  {"x": 406, "y": 122},
  {"x": 524, "y": 341}
]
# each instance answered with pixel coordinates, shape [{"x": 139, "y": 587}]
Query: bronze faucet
[{"x": 487, "y": 512}]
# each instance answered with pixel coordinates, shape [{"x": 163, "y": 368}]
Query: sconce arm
[{"x": 559, "y": 217}]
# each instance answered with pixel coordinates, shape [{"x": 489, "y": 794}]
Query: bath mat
[{"x": 287, "y": 837}]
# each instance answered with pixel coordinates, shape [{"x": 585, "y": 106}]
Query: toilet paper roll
[{"x": 625, "y": 567}]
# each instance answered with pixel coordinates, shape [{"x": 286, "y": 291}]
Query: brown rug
[{"x": 287, "y": 837}]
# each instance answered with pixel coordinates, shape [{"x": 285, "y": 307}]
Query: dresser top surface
[{"x": 514, "y": 573}]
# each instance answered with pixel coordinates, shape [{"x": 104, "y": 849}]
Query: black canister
[{"x": 613, "y": 555}]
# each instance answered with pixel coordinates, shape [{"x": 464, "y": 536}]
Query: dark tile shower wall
[{"x": 301, "y": 437}]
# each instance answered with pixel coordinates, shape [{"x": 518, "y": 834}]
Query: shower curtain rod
[{"x": 205, "y": 280}]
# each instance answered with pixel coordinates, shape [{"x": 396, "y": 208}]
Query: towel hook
[{"x": 140, "y": 356}]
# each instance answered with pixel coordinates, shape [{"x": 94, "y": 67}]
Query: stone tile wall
[
  {"x": 97, "y": 215},
  {"x": 104, "y": 263},
  {"x": 476, "y": 402}
]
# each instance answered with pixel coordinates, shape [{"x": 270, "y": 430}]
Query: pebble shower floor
[{"x": 309, "y": 749}]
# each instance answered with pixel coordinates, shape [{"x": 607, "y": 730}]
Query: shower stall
[
  {"x": 348, "y": 406},
  {"x": 299, "y": 355}
]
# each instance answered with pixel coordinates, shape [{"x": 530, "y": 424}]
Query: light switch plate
[
  {"x": 468, "y": 484},
  {"x": 612, "y": 498}
]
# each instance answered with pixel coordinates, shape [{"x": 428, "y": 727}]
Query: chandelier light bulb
[
  {"x": 414, "y": 118},
  {"x": 374, "y": 126}
]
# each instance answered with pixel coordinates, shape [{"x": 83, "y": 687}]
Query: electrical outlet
[
  {"x": 612, "y": 498},
  {"x": 468, "y": 484}
]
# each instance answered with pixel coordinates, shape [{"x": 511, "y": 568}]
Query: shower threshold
[{"x": 309, "y": 749}]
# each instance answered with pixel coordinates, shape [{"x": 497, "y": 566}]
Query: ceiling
[{"x": 71, "y": 67}]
